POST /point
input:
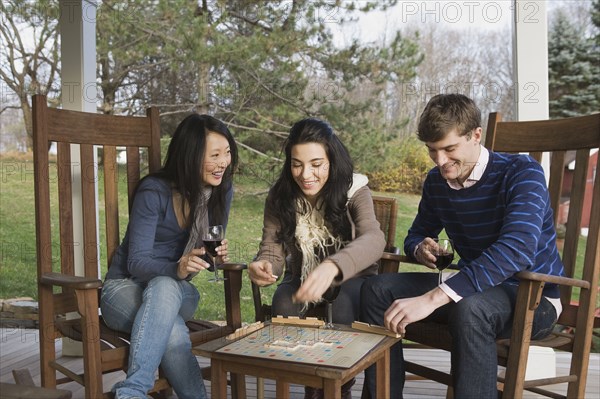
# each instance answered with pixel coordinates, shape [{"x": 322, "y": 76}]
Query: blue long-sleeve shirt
[
  {"x": 154, "y": 241},
  {"x": 500, "y": 226}
]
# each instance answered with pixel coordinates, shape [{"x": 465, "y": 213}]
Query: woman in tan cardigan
[{"x": 319, "y": 222}]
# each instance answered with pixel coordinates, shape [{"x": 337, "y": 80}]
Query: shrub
[
  {"x": 405, "y": 172},
  {"x": 561, "y": 231}
]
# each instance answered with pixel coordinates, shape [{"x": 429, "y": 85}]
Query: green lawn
[
  {"x": 17, "y": 229},
  {"x": 17, "y": 236}
]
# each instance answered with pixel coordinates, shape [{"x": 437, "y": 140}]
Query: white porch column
[
  {"x": 78, "y": 78},
  {"x": 530, "y": 58}
]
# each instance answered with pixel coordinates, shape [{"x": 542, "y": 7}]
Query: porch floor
[{"x": 19, "y": 348}]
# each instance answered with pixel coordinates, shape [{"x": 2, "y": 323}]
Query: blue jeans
[
  {"x": 475, "y": 322},
  {"x": 154, "y": 313}
]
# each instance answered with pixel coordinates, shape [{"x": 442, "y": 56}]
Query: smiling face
[
  {"x": 217, "y": 157},
  {"x": 310, "y": 169},
  {"x": 456, "y": 155}
]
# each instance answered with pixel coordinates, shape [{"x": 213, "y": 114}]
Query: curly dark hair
[{"x": 335, "y": 191}]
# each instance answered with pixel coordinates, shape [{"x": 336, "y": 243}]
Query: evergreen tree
[
  {"x": 594, "y": 53},
  {"x": 595, "y": 16},
  {"x": 573, "y": 72},
  {"x": 259, "y": 65}
]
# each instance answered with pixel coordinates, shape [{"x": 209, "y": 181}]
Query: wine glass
[
  {"x": 329, "y": 296},
  {"x": 444, "y": 255},
  {"x": 212, "y": 237}
]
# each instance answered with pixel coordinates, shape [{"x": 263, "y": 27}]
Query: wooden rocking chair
[
  {"x": 61, "y": 291},
  {"x": 580, "y": 135}
]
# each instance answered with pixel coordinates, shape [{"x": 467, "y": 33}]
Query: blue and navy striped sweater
[{"x": 501, "y": 225}]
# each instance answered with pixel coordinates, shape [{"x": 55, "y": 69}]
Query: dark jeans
[
  {"x": 474, "y": 322},
  {"x": 345, "y": 308}
]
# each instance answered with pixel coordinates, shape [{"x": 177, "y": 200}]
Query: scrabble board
[{"x": 305, "y": 344}]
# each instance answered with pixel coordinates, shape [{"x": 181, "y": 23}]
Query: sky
[
  {"x": 459, "y": 14},
  {"x": 376, "y": 26}
]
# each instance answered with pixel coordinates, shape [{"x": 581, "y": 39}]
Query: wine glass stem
[
  {"x": 439, "y": 277},
  {"x": 216, "y": 269}
]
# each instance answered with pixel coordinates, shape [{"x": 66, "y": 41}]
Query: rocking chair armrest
[
  {"x": 392, "y": 250},
  {"x": 233, "y": 266},
  {"x": 396, "y": 257},
  {"x": 547, "y": 278},
  {"x": 73, "y": 282},
  {"x": 390, "y": 262}
]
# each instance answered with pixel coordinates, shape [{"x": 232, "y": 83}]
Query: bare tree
[
  {"x": 28, "y": 56},
  {"x": 474, "y": 62}
]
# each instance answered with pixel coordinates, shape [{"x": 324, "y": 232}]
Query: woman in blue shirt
[{"x": 147, "y": 291}]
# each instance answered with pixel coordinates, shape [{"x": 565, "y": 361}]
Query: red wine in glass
[
  {"x": 443, "y": 261},
  {"x": 211, "y": 248},
  {"x": 444, "y": 255},
  {"x": 212, "y": 237}
]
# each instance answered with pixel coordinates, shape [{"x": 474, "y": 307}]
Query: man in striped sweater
[{"x": 496, "y": 210}]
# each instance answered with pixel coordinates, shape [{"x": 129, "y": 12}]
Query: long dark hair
[
  {"x": 335, "y": 191},
  {"x": 184, "y": 166}
]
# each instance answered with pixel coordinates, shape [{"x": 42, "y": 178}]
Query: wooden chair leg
[
  {"x": 238, "y": 386},
  {"x": 87, "y": 302},
  {"x": 260, "y": 388},
  {"x": 23, "y": 377},
  {"x": 163, "y": 393}
]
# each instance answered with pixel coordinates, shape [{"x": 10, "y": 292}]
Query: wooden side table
[{"x": 328, "y": 378}]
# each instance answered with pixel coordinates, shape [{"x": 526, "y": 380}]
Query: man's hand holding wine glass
[
  {"x": 428, "y": 249},
  {"x": 424, "y": 253}
]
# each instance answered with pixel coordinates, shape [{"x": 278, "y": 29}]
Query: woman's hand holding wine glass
[
  {"x": 213, "y": 237},
  {"x": 192, "y": 263}
]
